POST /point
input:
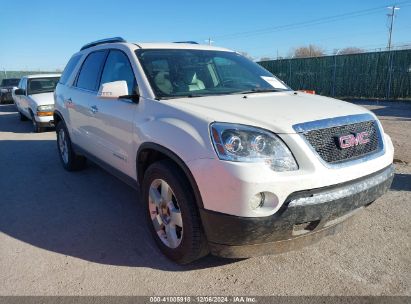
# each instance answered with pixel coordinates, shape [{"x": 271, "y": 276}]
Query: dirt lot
[{"x": 83, "y": 234}]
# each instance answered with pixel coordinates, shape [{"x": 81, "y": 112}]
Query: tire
[
  {"x": 22, "y": 117},
  {"x": 36, "y": 126},
  {"x": 184, "y": 240},
  {"x": 69, "y": 159}
]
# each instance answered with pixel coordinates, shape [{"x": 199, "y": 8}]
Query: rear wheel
[
  {"x": 172, "y": 213},
  {"x": 70, "y": 160}
]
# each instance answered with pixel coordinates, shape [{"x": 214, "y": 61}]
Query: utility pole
[
  {"x": 390, "y": 55},
  {"x": 209, "y": 41},
  {"x": 391, "y": 16}
]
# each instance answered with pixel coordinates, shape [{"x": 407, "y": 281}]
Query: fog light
[{"x": 257, "y": 201}]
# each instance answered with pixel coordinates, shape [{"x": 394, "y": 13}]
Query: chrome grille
[{"x": 325, "y": 141}]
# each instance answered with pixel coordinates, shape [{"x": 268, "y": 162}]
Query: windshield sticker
[{"x": 274, "y": 82}]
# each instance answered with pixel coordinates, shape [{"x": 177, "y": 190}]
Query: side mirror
[
  {"x": 115, "y": 90},
  {"x": 19, "y": 92}
]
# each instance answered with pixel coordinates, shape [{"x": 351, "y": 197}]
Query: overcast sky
[{"x": 42, "y": 35}]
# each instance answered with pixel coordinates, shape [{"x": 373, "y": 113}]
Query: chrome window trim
[{"x": 301, "y": 128}]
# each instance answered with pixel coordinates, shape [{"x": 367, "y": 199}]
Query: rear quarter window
[{"x": 68, "y": 70}]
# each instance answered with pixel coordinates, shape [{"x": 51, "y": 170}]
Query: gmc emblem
[{"x": 351, "y": 140}]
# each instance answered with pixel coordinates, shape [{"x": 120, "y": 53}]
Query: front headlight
[
  {"x": 3, "y": 90},
  {"x": 45, "y": 108},
  {"x": 242, "y": 143}
]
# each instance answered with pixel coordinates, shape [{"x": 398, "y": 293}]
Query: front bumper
[
  {"x": 305, "y": 217},
  {"x": 45, "y": 121}
]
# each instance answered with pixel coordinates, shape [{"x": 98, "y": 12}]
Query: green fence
[{"x": 377, "y": 75}]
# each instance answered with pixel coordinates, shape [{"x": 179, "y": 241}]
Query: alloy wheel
[{"x": 165, "y": 213}]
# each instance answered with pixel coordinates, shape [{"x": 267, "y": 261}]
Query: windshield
[
  {"x": 11, "y": 82},
  {"x": 176, "y": 73},
  {"x": 42, "y": 85}
]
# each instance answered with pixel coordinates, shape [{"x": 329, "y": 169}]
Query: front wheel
[
  {"x": 70, "y": 160},
  {"x": 172, "y": 214},
  {"x": 36, "y": 126}
]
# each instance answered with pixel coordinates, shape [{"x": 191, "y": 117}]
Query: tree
[
  {"x": 266, "y": 58},
  {"x": 350, "y": 50},
  {"x": 245, "y": 54},
  {"x": 308, "y": 51}
]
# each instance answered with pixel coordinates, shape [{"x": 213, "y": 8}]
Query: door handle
[
  {"x": 68, "y": 103},
  {"x": 94, "y": 109}
]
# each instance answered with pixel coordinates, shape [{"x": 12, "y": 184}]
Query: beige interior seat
[
  {"x": 163, "y": 83},
  {"x": 191, "y": 81},
  {"x": 195, "y": 84}
]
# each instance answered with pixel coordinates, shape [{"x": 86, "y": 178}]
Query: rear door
[
  {"x": 112, "y": 119},
  {"x": 81, "y": 96}
]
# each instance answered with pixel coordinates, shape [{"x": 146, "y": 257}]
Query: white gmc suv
[{"x": 227, "y": 158}]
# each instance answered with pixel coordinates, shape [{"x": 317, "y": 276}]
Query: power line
[{"x": 317, "y": 21}]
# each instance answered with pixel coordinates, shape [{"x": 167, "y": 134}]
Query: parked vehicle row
[
  {"x": 228, "y": 159},
  {"x": 6, "y": 87},
  {"x": 34, "y": 99}
]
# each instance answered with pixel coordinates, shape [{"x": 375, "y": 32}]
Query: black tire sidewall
[
  {"x": 186, "y": 251},
  {"x": 36, "y": 127},
  {"x": 70, "y": 166}
]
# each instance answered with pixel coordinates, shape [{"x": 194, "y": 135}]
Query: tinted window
[
  {"x": 118, "y": 68},
  {"x": 42, "y": 85},
  {"x": 69, "y": 69},
  {"x": 11, "y": 82},
  {"x": 88, "y": 77}
]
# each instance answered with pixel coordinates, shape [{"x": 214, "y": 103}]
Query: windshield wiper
[
  {"x": 252, "y": 91},
  {"x": 179, "y": 96}
]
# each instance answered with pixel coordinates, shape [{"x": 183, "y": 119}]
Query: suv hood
[
  {"x": 273, "y": 111},
  {"x": 42, "y": 98}
]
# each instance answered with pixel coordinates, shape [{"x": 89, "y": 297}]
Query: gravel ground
[{"x": 83, "y": 234}]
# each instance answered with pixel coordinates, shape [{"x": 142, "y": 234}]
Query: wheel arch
[
  {"x": 149, "y": 153},
  {"x": 57, "y": 117}
]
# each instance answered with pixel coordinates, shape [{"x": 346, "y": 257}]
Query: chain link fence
[{"x": 376, "y": 75}]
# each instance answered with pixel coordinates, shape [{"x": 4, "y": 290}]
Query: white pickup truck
[
  {"x": 34, "y": 99},
  {"x": 227, "y": 157}
]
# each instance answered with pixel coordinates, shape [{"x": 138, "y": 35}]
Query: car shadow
[
  {"x": 401, "y": 182},
  {"x": 400, "y": 111},
  {"x": 89, "y": 214},
  {"x": 5, "y": 108},
  {"x": 10, "y": 121}
]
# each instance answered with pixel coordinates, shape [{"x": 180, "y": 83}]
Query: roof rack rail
[
  {"x": 101, "y": 41},
  {"x": 189, "y": 42}
]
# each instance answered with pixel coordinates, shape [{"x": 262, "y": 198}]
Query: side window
[
  {"x": 69, "y": 69},
  {"x": 118, "y": 68},
  {"x": 90, "y": 71}
]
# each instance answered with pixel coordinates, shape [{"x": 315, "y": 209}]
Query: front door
[{"x": 111, "y": 123}]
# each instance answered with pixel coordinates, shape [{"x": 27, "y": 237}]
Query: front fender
[{"x": 187, "y": 141}]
